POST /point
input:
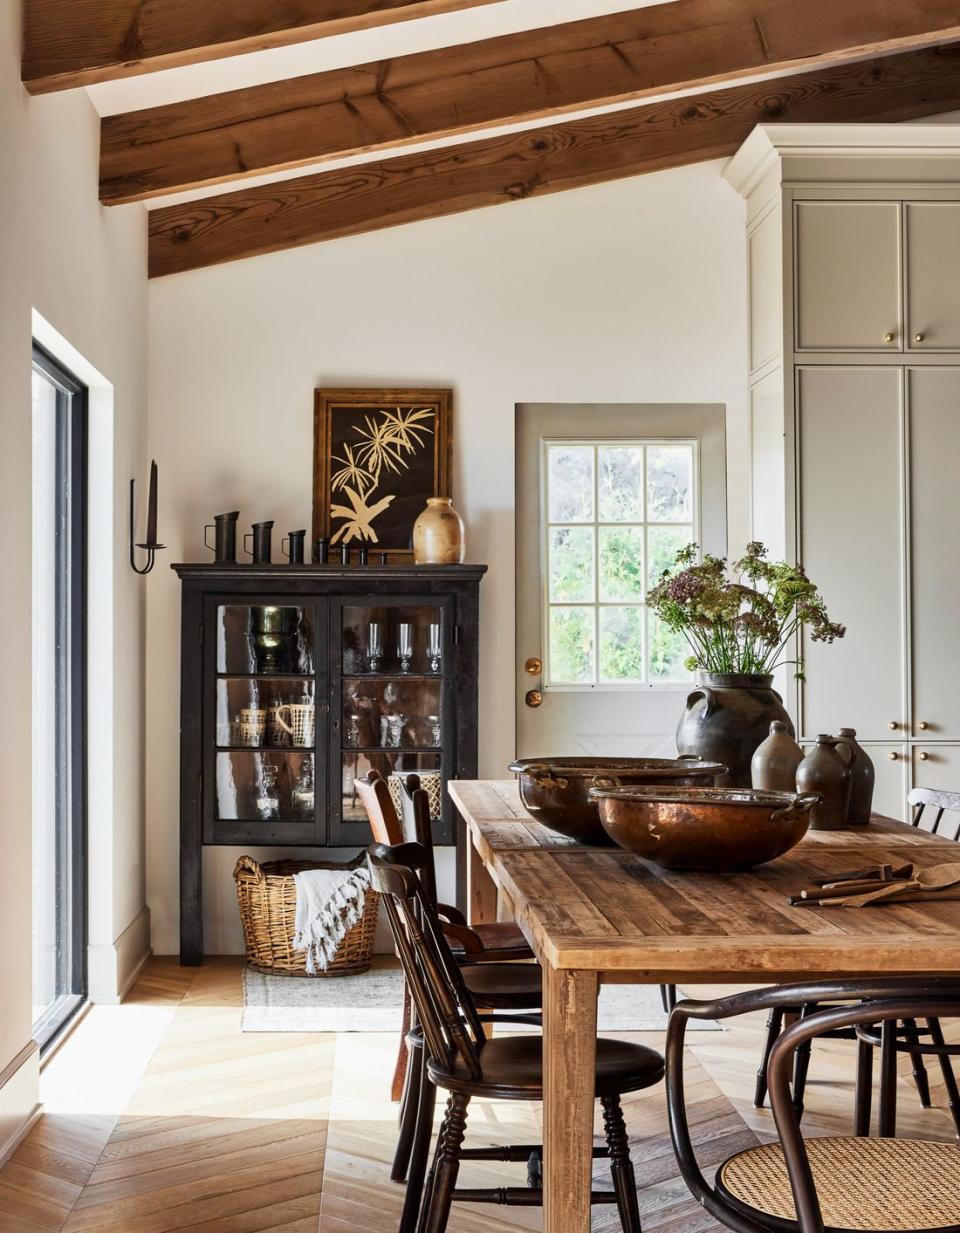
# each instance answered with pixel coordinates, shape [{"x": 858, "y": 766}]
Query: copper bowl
[
  {"x": 556, "y": 791},
  {"x": 717, "y": 830}
]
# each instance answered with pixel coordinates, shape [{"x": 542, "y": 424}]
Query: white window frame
[{"x": 596, "y": 524}]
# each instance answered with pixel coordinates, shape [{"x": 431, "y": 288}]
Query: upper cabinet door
[
  {"x": 848, "y": 276},
  {"x": 851, "y": 543},
  {"x": 933, "y": 276},
  {"x": 933, "y": 400}
]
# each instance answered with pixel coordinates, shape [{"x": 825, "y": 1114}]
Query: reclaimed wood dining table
[{"x": 600, "y": 915}]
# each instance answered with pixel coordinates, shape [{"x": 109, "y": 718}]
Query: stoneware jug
[
  {"x": 726, "y": 718},
  {"x": 861, "y": 768},
  {"x": 825, "y": 771},
  {"x": 438, "y": 534},
  {"x": 774, "y": 765}
]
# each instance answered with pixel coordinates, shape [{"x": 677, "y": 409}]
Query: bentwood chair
[
  {"x": 465, "y": 1063},
  {"x": 836, "y": 1183},
  {"x": 909, "y": 1037}
]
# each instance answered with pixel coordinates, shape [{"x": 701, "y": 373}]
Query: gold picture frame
[{"x": 377, "y": 455}]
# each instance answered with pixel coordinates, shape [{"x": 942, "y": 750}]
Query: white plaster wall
[
  {"x": 627, "y": 292},
  {"x": 82, "y": 268}
]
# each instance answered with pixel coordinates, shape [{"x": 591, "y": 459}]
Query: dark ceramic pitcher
[{"x": 727, "y": 717}]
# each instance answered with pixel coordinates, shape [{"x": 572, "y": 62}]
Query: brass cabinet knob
[
  {"x": 923, "y": 756},
  {"x": 893, "y": 725},
  {"x": 893, "y": 755},
  {"x": 534, "y": 666},
  {"x": 888, "y": 337},
  {"x": 923, "y": 725},
  {"x": 918, "y": 338},
  {"x": 534, "y": 698}
]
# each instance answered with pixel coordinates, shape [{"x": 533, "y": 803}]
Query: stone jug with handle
[
  {"x": 826, "y": 771},
  {"x": 726, "y": 718}
]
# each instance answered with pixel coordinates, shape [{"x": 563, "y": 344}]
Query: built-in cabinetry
[{"x": 853, "y": 236}]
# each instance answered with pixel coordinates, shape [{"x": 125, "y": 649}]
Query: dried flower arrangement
[{"x": 743, "y": 623}]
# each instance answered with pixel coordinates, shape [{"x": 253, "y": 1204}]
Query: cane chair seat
[
  {"x": 513, "y": 1069},
  {"x": 505, "y": 986},
  {"x": 875, "y": 1184}
]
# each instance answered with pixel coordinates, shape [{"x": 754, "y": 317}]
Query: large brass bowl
[
  {"x": 717, "y": 830},
  {"x": 556, "y": 791}
]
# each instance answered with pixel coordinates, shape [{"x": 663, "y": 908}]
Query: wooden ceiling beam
[
  {"x": 82, "y": 42},
  {"x": 369, "y": 196},
  {"x": 602, "y": 60}
]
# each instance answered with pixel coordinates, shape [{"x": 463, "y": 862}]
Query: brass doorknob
[
  {"x": 918, "y": 338},
  {"x": 893, "y": 756},
  {"x": 888, "y": 338},
  {"x": 534, "y": 666},
  {"x": 923, "y": 756},
  {"x": 534, "y": 698},
  {"x": 923, "y": 725},
  {"x": 893, "y": 725}
]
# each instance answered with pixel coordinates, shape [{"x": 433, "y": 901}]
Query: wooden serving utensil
[{"x": 924, "y": 882}]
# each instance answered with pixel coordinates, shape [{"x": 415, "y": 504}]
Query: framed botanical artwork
[{"x": 377, "y": 456}]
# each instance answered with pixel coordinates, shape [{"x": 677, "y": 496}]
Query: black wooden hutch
[{"x": 297, "y": 679}]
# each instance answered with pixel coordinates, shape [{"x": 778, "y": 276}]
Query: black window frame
[{"x": 71, "y": 486}]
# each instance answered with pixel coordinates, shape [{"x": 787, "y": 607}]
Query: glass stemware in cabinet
[
  {"x": 405, "y": 645},
  {"x": 433, "y": 646},
  {"x": 268, "y": 790},
  {"x": 375, "y": 646}
]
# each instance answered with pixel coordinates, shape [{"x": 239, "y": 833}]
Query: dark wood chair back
[
  {"x": 375, "y": 797},
  {"x": 921, "y": 799},
  {"x": 418, "y": 828},
  {"x": 864, "y": 1001},
  {"x": 451, "y": 1024}
]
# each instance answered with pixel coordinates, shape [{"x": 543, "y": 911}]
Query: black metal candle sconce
[{"x": 150, "y": 546}]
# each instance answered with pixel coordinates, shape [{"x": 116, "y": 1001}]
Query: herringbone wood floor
[{"x": 163, "y": 1117}]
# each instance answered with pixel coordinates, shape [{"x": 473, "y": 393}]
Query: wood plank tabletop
[{"x": 606, "y": 910}]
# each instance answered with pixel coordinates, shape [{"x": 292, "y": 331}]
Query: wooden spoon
[{"x": 936, "y": 878}]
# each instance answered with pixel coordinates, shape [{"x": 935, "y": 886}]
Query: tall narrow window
[
  {"x": 59, "y": 695},
  {"x": 615, "y": 514}
]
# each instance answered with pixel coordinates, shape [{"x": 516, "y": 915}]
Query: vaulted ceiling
[{"x": 400, "y": 110}]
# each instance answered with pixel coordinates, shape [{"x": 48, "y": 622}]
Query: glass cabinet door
[
  {"x": 393, "y": 712},
  {"x": 265, "y": 721}
]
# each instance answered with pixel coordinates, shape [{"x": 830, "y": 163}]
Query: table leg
[
  {"x": 569, "y": 1052},
  {"x": 481, "y": 890}
]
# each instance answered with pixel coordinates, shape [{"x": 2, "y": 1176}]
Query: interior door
[
  {"x": 933, "y": 402},
  {"x": 852, "y": 545},
  {"x": 933, "y": 275},
  {"x": 606, "y": 495},
  {"x": 848, "y": 276}
]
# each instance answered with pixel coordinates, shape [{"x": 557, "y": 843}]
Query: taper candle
[{"x": 152, "y": 506}]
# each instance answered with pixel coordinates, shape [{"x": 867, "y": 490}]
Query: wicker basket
[{"x": 267, "y": 895}]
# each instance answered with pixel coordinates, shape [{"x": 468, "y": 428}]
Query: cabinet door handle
[
  {"x": 893, "y": 756},
  {"x": 923, "y": 756},
  {"x": 918, "y": 337},
  {"x": 888, "y": 337},
  {"x": 923, "y": 725},
  {"x": 893, "y": 725}
]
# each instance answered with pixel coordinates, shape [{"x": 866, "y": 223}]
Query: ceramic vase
[
  {"x": 861, "y": 768},
  {"x": 826, "y": 772},
  {"x": 438, "y": 534},
  {"x": 774, "y": 765},
  {"x": 726, "y": 718}
]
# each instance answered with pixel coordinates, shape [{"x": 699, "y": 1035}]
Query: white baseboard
[
  {"x": 111, "y": 970},
  {"x": 19, "y": 1099}
]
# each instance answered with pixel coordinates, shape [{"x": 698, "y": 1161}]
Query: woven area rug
[{"x": 373, "y": 1002}]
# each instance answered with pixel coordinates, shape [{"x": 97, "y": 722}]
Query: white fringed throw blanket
[{"x": 329, "y": 903}]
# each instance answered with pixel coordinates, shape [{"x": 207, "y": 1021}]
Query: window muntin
[{"x": 614, "y": 515}]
